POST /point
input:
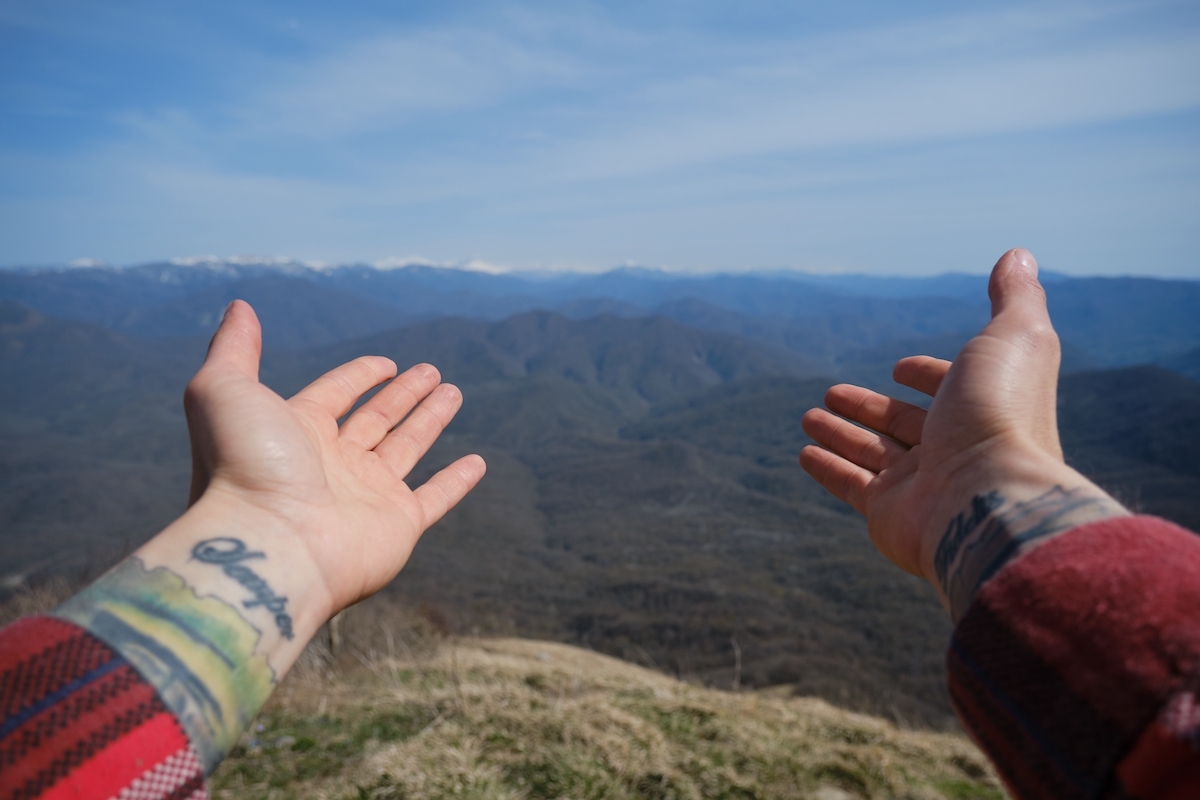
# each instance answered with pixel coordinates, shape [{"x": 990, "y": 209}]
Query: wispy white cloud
[
  {"x": 583, "y": 137},
  {"x": 579, "y": 100},
  {"x": 888, "y": 106},
  {"x": 393, "y": 80}
]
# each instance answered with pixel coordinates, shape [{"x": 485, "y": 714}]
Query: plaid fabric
[
  {"x": 1077, "y": 668},
  {"x": 76, "y": 720}
]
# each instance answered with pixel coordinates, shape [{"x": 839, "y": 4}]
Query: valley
[{"x": 643, "y": 497}]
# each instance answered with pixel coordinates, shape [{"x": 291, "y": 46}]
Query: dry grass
[
  {"x": 510, "y": 718},
  {"x": 405, "y": 712},
  {"x": 28, "y": 600}
]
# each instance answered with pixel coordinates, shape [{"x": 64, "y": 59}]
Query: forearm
[
  {"x": 212, "y": 612},
  {"x": 1076, "y": 644},
  {"x": 998, "y": 510},
  {"x": 1077, "y": 666}
]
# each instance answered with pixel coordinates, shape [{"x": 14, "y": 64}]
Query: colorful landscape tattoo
[
  {"x": 993, "y": 531},
  {"x": 198, "y": 652}
]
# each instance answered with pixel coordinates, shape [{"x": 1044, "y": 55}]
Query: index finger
[
  {"x": 368, "y": 426},
  {"x": 923, "y": 373},
  {"x": 338, "y": 390},
  {"x": 901, "y": 421}
]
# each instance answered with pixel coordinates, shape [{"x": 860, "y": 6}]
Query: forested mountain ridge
[
  {"x": 643, "y": 496},
  {"x": 1113, "y": 321}
]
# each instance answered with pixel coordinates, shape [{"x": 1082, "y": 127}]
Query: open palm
[
  {"x": 993, "y": 408},
  {"x": 341, "y": 489}
]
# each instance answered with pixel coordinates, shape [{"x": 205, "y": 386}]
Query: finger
[
  {"x": 369, "y": 424},
  {"x": 923, "y": 373},
  {"x": 403, "y": 447},
  {"x": 234, "y": 351},
  {"x": 1019, "y": 311},
  {"x": 901, "y": 421},
  {"x": 862, "y": 447},
  {"x": 443, "y": 491},
  {"x": 1014, "y": 281},
  {"x": 338, "y": 390},
  {"x": 237, "y": 345},
  {"x": 845, "y": 481},
  {"x": 1020, "y": 318}
]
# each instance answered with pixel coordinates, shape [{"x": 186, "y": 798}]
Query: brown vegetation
[{"x": 509, "y": 718}]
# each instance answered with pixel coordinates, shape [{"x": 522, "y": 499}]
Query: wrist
[
  {"x": 252, "y": 558},
  {"x": 997, "y": 510},
  {"x": 212, "y": 612}
]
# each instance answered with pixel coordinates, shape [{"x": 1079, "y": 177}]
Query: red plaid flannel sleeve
[
  {"x": 77, "y": 721},
  {"x": 1077, "y": 667}
]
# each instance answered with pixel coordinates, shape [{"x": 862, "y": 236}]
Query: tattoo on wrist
[
  {"x": 199, "y": 653},
  {"x": 227, "y": 553},
  {"x": 993, "y": 531}
]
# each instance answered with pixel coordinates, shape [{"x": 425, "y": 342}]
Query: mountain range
[{"x": 641, "y": 430}]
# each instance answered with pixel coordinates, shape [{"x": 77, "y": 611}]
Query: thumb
[
  {"x": 1014, "y": 287},
  {"x": 235, "y": 350},
  {"x": 236, "y": 347},
  {"x": 1020, "y": 318}
]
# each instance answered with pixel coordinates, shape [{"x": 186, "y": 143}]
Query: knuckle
[
  {"x": 903, "y": 418},
  {"x": 196, "y": 392},
  {"x": 341, "y": 383},
  {"x": 1041, "y": 335},
  {"x": 376, "y": 418}
]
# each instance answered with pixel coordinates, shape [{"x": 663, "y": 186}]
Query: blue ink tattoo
[
  {"x": 227, "y": 553},
  {"x": 979, "y": 541}
]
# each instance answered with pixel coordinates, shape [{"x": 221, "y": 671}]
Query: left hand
[{"x": 339, "y": 490}]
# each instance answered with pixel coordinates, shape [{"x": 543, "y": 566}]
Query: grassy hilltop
[
  {"x": 402, "y": 712},
  {"x": 513, "y": 718}
]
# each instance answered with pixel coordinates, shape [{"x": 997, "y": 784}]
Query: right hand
[{"x": 992, "y": 427}]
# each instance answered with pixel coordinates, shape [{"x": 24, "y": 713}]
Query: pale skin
[
  {"x": 991, "y": 428},
  {"x": 327, "y": 505}
]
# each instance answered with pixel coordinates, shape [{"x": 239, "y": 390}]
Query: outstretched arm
[
  {"x": 951, "y": 494},
  {"x": 292, "y": 517},
  {"x": 1075, "y": 661}
]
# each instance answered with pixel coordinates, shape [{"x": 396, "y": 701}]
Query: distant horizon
[{"x": 477, "y": 266}]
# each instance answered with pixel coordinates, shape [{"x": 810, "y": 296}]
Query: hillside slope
[
  {"x": 643, "y": 497},
  {"x": 512, "y": 718}
]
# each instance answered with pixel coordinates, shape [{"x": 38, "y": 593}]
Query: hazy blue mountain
[
  {"x": 644, "y": 360},
  {"x": 93, "y": 447},
  {"x": 642, "y": 498},
  {"x": 1123, "y": 321},
  {"x": 1136, "y": 431},
  {"x": 959, "y": 285},
  {"x": 843, "y": 325},
  {"x": 1104, "y": 321},
  {"x": 295, "y": 313},
  {"x": 92, "y": 295},
  {"x": 1186, "y": 364},
  {"x": 70, "y": 376}
]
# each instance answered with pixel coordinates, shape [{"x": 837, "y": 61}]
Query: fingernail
[
  {"x": 226, "y": 314},
  {"x": 1025, "y": 258}
]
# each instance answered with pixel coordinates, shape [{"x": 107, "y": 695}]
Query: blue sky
[{"x": 915, "y": 138}]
